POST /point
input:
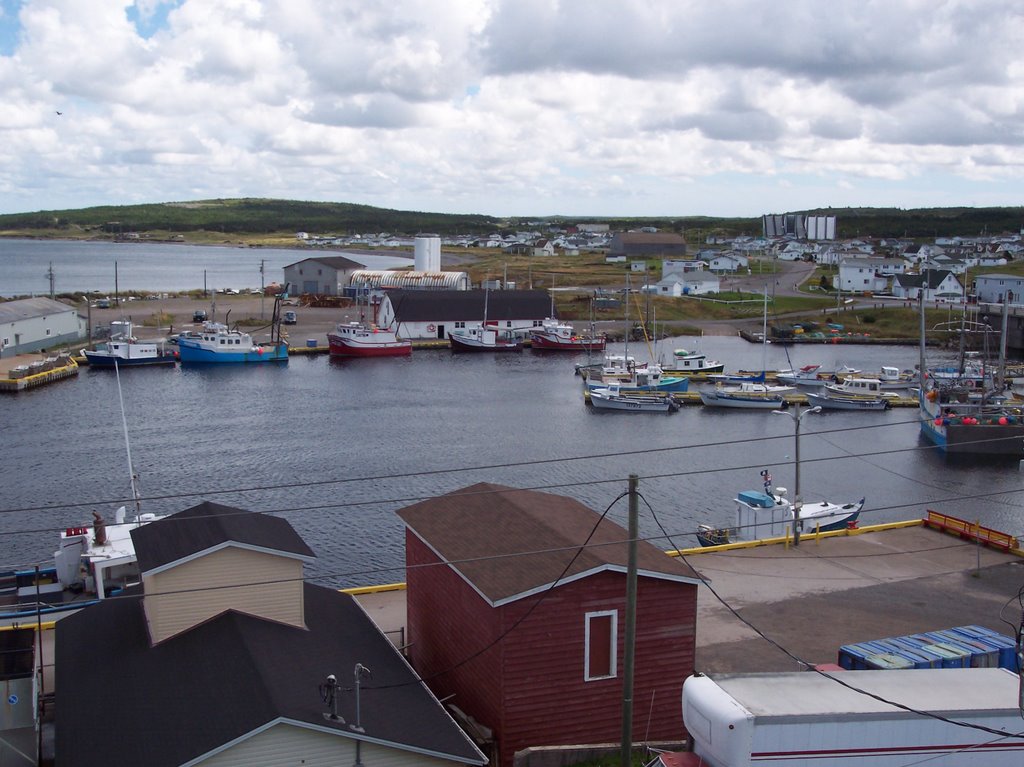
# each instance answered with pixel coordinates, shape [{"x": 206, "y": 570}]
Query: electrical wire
[{"x": 834, "y": 677}]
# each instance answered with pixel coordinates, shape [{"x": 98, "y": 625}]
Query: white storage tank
[{"x": 427, "y": 253}]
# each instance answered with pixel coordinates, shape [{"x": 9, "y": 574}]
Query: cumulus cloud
[{"x": 509, "y": 106}]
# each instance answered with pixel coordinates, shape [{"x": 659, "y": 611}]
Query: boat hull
[
  {"x": 550, "y": 343},
  {"x": 607, "y": 401},
  {"x": 742, "y": 401},
  {"x": 846, "y": 403},
  {"x": 460, "y": 344},
  {"x": 987, "y": 437},
  {"x": 341, "y": 347},
  {"x": 101, "y": 360},
  {"x": 191, "y": 353}
]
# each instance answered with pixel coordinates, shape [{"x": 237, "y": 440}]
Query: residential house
[
  {"x": 999, "y": 288},
  {"x": 33, "y": 324},
  {"x": 542, "y": 247},
  {"x": 681, "y": 265},
  {"x": 322, "y": 275},
  {"x": 860, "y": 275},
  {"x": 954, "y": 264},
  {"x": 223, "y": 658},
  {"x": 516, "y": 609},
  {"x": 679, "y": 284},
  {"x": 420, "y": 314},
  {"x": 728, "y": 262},
  {"x": 937, "y": 285}
]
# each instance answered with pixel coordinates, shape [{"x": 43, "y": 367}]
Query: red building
[{"x": 523, "y": 626}]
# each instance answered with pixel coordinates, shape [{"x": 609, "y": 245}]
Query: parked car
[
  {"x": 199, "y": 316},
  {"x": 290, "y": 318}
]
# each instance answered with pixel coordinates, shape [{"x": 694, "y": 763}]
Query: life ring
[{"x": 431, "y": 328}]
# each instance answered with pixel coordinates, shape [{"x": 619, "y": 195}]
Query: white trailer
[{"x": 806, "y": 718}]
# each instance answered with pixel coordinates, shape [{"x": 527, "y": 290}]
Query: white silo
[{"x": 427, "y": 253}]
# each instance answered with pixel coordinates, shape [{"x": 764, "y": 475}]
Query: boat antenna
[{"x": 127, "y": 445}]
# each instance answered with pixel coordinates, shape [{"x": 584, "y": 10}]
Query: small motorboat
[
  {"x": 829, "y": 401},
  {"x": 612, "y": 397}
]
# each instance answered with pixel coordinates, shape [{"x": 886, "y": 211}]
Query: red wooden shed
[{"x": 528, "y": 640}]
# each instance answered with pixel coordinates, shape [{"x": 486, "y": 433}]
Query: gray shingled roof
[
  {"x": 209, "y": 525},
  {"x": 27, "y": 308},
  {"x": 335, "y": 262},
  {"x": 222, "y": 680},
  {"x": 452, "y": 305},
  {"x": 934, "y": 279},
  {"x": 478, "y": 527}
]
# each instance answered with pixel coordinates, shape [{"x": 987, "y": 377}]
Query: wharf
[
  {"x": 27, "y": 371},
  {"x": 794, "y": 398},
  {"x": 843, "y": 588}
]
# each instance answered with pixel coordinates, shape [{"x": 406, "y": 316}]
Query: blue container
[
  {"x": 926, "y": 658},
  {"x": 951, "y": 642},
  {"x": 983, "y": 655},
  {"x": 853, "y": 657},
  {"x": 888, "y": 661},
  {"x": 1005, "y": 645},
  {"x": 310, "y": 343},
  {"x": 951, "y": 658}
]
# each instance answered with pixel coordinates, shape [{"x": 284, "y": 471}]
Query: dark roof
[
  {"x": 208, "y": 526},
  {"x": 335, "y": 262},
  {"x": 229, "y": 676},
  {"x": 451, "y": 305},
  {"x": 933, "y": 278},
  {"x": 477, "y": 528}
]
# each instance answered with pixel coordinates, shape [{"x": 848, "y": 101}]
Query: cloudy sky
[{"x": 514, "y": 107}]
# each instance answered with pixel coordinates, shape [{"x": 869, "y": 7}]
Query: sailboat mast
[
  {"x": 127, "y": 444},
  {"x": 764, "y": 334}
]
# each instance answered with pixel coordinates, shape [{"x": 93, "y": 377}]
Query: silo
[{"x": 427, "y": 253}]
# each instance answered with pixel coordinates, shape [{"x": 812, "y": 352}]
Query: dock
[{"x": 27, "y": 371}]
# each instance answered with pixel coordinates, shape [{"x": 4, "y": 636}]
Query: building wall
[
  {"x": 45, "y": 332},
  {"x": 312, "y": 277},
  {"x": 449, "y": 622},
  {"x": 287, "y": 744},
  {"x": 530, "y": 688},
  {"x": 546, "y": 700},
  {"x": 266, "y": 585},
  {"x": 993, "y": 289}
]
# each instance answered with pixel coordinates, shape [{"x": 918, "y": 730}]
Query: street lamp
[{"x": 797, "y": 417}]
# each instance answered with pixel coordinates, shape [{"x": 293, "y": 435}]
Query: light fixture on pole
[{"x": 798, "y": 501}]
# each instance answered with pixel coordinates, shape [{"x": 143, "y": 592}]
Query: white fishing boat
[
  {"x": 830, "y": 401},
  {"x": 485, "y": 336},
  {"x": 685, "y": 362},
  {"x": 359, "y": 339},
  {"x": 553, "y": 335},
  {"x": 890, "y": 378},
  {"x": 613, "y": 398},
  {"x": 807, "y": 377},
  {"x": 746, "y": 396},
  {"x": 769, "y": 513},
  {"x": 125, "y": 350},
  {"x": 861, "y": 387}
]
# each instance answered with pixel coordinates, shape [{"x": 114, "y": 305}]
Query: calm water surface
[
  {"x": 86, "y": 266},
  {"x": 337, "y": 447}
]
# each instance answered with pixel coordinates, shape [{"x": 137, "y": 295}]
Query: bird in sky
[{"x": 59, "y": 114}]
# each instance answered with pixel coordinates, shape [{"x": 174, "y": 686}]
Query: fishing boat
[
  {"x": 890, "y": 378},
  {"x": 769, "y": 513},
  {"x": 807, "y": 377},
  {"x": 359, "y": 339},
  {"x": 125, "y": 350},
  {"x": 553, "y": 335},
  {"x": 92, "y": 562},
  {"x": 860, "y": 387},
  {"x": 685, "y": 362},
  {"x": 970, "y": 415},
  {"x": 485, "y": 336},
  {"x": 613, "y": 398},
  {"x": 216, "y": 343},
  {"x": 624, "y": 372},
  {"x": 746, "y": 396},
  {"x": 830, "y": 401}
]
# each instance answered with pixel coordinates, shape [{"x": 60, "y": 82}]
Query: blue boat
[{"x": 217, "y": 344}]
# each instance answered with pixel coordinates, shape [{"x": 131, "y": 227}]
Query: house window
[
  {"x": 7, "y": 342},
  {"x": 47, "y": 331},
  {"x": 460, "y": 324},
  {"x": 601, "y": 634}
]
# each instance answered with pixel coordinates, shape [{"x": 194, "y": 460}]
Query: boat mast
[
  {"x": 764, "y": 334},
  {"x": 127, "y": 445}
]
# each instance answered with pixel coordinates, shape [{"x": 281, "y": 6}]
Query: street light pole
[{"x": 798, "y": 501}]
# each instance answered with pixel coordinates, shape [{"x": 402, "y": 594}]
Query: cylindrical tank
[{"x": 427, "y": 253}]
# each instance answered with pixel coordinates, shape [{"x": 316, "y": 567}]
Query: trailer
[{"x": 808, "y": 718}]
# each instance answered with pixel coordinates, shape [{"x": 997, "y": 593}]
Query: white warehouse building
[{"x": 33, "y": 324}]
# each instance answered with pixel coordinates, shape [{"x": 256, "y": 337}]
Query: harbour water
[
  {"x": 337, "y": 446},
  {"x": 90, "y": 265}
]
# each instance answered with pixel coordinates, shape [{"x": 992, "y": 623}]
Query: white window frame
[{"x": 613, "y": 650}]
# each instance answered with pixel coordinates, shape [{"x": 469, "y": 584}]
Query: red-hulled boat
[
  {"x": 357, "y": 339},
  {"x": 556, "y": 336}
]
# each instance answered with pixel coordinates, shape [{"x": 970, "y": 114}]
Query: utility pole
[
  {"x": 52, "y": 277},
  {"x": 117, "y": 292},
  {"x": 262, "y": 288},
  {"x": 627, "y": 671},
  {"x": 798, "y": 500}
]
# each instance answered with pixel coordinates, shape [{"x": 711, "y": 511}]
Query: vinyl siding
[
  {"x": 286, "y": 744},
  {"x": 268, "y": 586}
]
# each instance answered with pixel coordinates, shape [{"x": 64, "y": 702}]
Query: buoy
[
  {"x": 259, "y": 350},
  {"x": 938, "y": 421}
]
